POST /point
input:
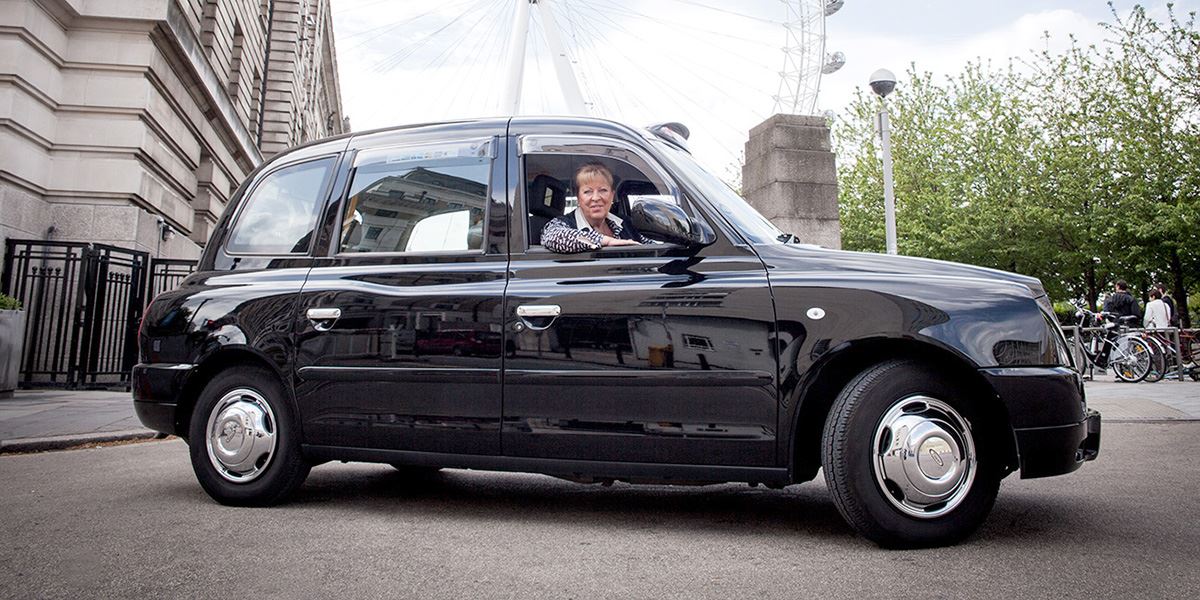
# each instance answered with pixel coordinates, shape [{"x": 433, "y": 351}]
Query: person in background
[
  {"x": 1121, "y": 303},
  {"x": 1156, "y": 311},
  {"x": 1172, "y": 311}
]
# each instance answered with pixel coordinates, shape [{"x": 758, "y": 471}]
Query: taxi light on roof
[{"x": 676, "y": 133}]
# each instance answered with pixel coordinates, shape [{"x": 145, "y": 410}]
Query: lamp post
[{"x": 882, "y": 83}]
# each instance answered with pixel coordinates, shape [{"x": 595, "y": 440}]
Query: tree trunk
[
  {"x": 1092, "y": 291},
  {"x": 1180, "y": 290}
]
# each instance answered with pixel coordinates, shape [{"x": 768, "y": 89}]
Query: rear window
[{"x": 281, "y": 213}]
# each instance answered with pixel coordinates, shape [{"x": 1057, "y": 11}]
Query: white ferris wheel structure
[
  {"x": 719, "y": 66},
  {"x": 805, "y": 58}
]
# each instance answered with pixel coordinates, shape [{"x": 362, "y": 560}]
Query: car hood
[{"x": 803, "y": 257}]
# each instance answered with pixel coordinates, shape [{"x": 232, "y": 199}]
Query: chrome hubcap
[
  {"x": 241, "y": 435},
  {"x": 925, "y": 458}
]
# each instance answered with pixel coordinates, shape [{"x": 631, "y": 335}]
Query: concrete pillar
[{"x": 791, "y": 178}]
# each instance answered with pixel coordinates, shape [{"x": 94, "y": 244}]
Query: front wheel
[
  {"x": 243, "y": 439},
  {"x": 904, "y": 462}
]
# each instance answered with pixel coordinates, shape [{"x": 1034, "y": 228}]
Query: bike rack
[{"x": 1080, "y": 359}]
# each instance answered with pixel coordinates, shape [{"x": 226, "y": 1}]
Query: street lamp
[{"x": 882, "y": 83}]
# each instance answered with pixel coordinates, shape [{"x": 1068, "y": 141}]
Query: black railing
[{"x": 83, "y": 303}]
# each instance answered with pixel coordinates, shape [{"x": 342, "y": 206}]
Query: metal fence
[{"x": 83, "y": 304}]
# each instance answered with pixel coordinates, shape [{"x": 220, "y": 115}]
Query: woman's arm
[{"x": 564, "y": 239}]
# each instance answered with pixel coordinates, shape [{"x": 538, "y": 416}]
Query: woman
[{"x": 591, "y": 226}]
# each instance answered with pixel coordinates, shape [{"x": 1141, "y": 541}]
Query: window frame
[
  {"x": 487, "y": 150},
  {"x": 318, "y": 206}
]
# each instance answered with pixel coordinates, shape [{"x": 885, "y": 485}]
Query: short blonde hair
[{"x": 593, "y": 169}]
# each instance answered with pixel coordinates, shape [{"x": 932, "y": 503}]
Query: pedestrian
[
  {"x": 1172, "y": 311},
  {"x": 1157, "y": 314},
  {"x": 1121, "y": 303}
]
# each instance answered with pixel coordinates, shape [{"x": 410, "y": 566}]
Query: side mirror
[{"x": 666, "y": 222}]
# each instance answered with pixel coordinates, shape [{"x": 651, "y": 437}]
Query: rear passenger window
[
  {"x": 281, "y": 212},
  {"x": 428, "y": 199}
]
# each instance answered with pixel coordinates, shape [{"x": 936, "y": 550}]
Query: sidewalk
[{"x": 34, "y": 420}]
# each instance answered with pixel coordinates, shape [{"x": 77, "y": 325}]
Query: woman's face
[{"x": 595, "y": 196}]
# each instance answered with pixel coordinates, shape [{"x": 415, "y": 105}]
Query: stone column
[{"x": 791, "y": 178}]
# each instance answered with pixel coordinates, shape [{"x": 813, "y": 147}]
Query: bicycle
[
  {"x": 1129, "y": 355},
  {"x": 1167, "y": 361}
]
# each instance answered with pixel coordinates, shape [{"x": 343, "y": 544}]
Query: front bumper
[
  {"x": 1048, "y": 451},
  {"x": 1055, "y": 431},
  {"x": 156, "y": 391}
]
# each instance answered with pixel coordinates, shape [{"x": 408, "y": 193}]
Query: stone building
[{"x": 119, "y": 118}]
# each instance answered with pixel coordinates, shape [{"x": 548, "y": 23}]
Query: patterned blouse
[{"x": 571, "y": 233}]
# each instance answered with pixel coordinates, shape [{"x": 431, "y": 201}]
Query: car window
[
  {"x": 417, "y": 202},
  {"x": 281, "y": 212},
  {"x": 550, "y": 187}
]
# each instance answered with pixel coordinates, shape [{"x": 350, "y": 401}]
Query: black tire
[
  {"x": 856, "y": 468},
  {"x": 1158, "y": 361},
  {"x": 259, "y": 465}
]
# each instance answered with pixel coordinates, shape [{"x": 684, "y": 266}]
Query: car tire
[
  {"x": 245, "y": 445},
  {"x": 904, "y": 459}
]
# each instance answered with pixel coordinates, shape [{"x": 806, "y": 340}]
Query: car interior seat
[
  {"x": 547, "y": 200},
  {"x": 632, "y": 187}
]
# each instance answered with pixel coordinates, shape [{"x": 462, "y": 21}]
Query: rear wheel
[
  {"x": 1158, "y": 360},
  {"x": 903, "y": 460},
  {"x": 1130, "y": 358},
  {"x": 244, "y": 442}
]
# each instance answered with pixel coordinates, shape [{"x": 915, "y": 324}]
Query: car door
[
  {"x": 651, "y": 353},
  {"x": 416, "y": 265}
]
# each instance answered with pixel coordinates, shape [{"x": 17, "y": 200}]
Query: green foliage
[
  {"x": 1065, "y": 312},
  {"x": 1077, "y": 168},
  {"x": 9, "y": 303}
]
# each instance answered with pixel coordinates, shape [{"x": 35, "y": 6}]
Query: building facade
[{"x": 131, "y": 122}]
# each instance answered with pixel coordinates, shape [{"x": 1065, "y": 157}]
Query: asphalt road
[{"x": 131, "y": 522}]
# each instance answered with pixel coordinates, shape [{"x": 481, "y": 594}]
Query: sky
[{"x": 713, "y": 65}]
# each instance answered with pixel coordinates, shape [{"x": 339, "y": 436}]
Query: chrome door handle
[
  {"x": 324, "y": 318},
  {"x": 538, "y": 310},
  {"x": 538, "y": 316}
]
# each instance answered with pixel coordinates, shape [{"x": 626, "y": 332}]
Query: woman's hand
[{"x": 612, "y": 241}]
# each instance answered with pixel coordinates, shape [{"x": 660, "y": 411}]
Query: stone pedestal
[{"x": 791, "y": 178}]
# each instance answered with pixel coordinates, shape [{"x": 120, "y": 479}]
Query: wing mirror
[{"x": 666, "y": 222}]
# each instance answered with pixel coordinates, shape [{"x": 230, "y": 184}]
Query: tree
[{"x": 1077, "y": 168}]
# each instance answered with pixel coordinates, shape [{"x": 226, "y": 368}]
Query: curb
[{"x": 60, "y": 442}]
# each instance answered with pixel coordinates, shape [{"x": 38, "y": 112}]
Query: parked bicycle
[
  {"x": 1129, "y": 356},
  {"x": 1169, "y": 362}
]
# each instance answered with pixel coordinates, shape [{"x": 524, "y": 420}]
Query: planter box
[{"x": 12, "y": 342}]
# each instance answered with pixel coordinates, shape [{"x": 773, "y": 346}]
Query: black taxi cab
[{"x": 384, "y": 297}]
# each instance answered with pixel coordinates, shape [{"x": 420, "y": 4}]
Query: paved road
[{"x": 131, "y": 521}]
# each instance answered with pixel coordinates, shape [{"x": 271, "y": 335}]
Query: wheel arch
[
  {"x": 208, "y": 368},
  {"x": 814, "y": 396}
]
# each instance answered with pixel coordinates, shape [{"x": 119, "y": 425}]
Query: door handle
[
  {"x": 538, "y": 316},
  {"x": 324, "y": 318}
]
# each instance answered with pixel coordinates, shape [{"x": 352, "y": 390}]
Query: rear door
[{"x": 392, "y": 324}]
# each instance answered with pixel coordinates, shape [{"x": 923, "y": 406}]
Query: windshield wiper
[{"x": 788, "y": 237}]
